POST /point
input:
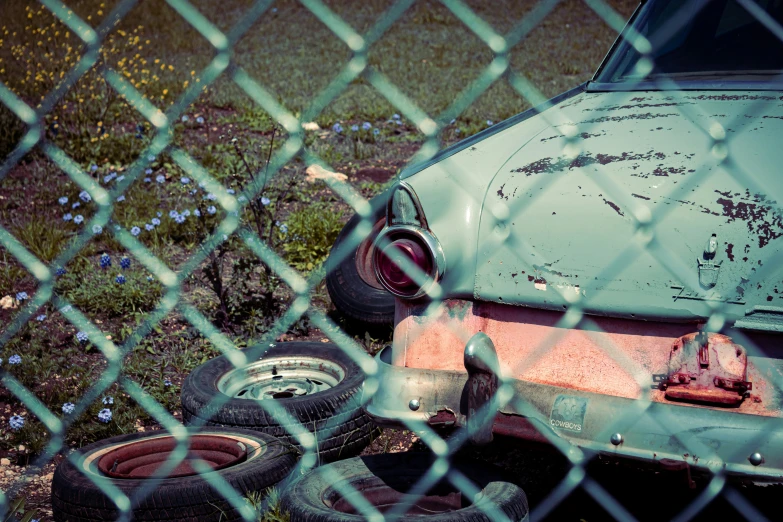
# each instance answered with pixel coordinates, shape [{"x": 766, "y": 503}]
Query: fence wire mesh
[{"x": 643, "y": 220}]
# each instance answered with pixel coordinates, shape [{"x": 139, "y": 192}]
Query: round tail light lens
[{"x": 392, "y": 260}]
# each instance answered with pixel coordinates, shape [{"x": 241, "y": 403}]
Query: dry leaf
[
  {"x": 316, "y": 172},
  {"x": 7, "y": 302}
]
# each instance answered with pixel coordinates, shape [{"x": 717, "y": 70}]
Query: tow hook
[
  {"x": 481, "y": 361},
  {"x": 707, "y": 368}
]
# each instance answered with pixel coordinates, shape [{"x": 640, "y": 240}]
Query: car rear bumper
[{"x": 709, "y": 439}]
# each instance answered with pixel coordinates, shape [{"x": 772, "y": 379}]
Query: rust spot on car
[
  {"x": 549, "y": 165},
  {"x": 731, "y": 97},
  {"x": 638, "y": 106},
  {"x": 644, "y": 116},
  {"x": 500, "y": 192},
  {"x": 665, "y": 171},
  {"x": 730, "y": 251},
  {"x": 762, "y": 221},
  {"x": 640, "y": 196},
  {"x": 614, "y": 206},
  {"x": 530, "y": 278}
]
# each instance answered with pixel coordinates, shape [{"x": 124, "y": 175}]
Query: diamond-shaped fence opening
[{"x": 154, "y": 156}]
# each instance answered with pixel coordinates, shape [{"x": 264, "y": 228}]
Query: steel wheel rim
[
  {"x": 278, "y": 378},
  {"x": 89, "y": 463}
]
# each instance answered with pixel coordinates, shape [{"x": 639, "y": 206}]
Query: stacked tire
[{"x": 332, "y": 414}]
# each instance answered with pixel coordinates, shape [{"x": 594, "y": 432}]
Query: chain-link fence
[{"x": 738, "y": 441}]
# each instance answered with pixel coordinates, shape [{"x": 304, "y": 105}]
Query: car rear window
[{"x": 710, "y": 40}]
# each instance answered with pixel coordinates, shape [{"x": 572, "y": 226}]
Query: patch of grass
[
  {"x": 312, "y": 232},
  {"x": 113, "y": 291},
  {"x": 41, "y": 238}
]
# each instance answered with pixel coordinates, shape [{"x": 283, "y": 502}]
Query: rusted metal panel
[
  {"x": 705, "y": 438},
  {"x": 616, "y": 357}
]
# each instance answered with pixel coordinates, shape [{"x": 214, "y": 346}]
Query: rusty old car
[{"x": 603, "y": 272}]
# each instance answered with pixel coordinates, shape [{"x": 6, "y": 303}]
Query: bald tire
[
  {"x": 334, "y": 416},
  {"x": 350, "y": 294},
  {"x": 383, "y": 478},
  {"x": 77, "y": 498}
]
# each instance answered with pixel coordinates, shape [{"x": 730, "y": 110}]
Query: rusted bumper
[{"x": 709, "y": 439}]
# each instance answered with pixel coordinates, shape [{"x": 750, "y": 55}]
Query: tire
[
  {"x": 77, "y": 498},
  {"x": 335, "y": 412},
  {"x": 355, "y": 292},
  {"x": 384, "y": 478}
]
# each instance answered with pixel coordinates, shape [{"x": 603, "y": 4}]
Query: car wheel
[
  {"x": 351, "y": 282},
  {"x": 383, "y": 480},
  {"x": 316, "y": 383},
  {"x": 248, "y": 461}
]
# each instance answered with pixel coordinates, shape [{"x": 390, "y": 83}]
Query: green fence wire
[{"x": 358, "y": 66}]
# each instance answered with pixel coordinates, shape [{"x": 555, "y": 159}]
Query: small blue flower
[
  {"x": 125, "y": 262},
  {"x": 60, "y": 271},
  {"x": 155, "y": 221},
  {"x": 97, "y": 229},
  {"x": 76, "y": 205},
  {"x": 85, "y": 196},
  {"x": 108, "y": 177},
  {"x": 231, "y": 191},
  {"x": 16, "y": 422},
  {"x": 211, "y": 209},
  {"x": 395, "y": 116},
  {"x": 265, "y": 201},
  {"x": 184, "y": 180},
  {"x": 284, "y": 228},
  {"x": 148, "y": 172},
  {"x": 185, "y": 213},
  {"x": 120, "y": 198},
  {"x": 173, "y": 214},
  {"x": 78, "y": 219},
  {"x": 167, "y": 382},
  {"x": 82, "y": 337},
  {"x": 105, "y": 261},
  {"x": 67, "y": 217},
  {"x": 149, "y": 279},
  {"x": 376, "y": 131},
  {"x": 337, "y": 128},
  {"x": 104, "y": 415},
  {"x": 160, "y": 178},
  {"x": 490, "y": 123},
  {"x": 147, "y": 180},
  {"x": 135, "y": 231},
  {"x": 184, "y": 118},
  {"x": 63, "y": 200},
  {"x": 41, "y": 318},
  {"x": 180, "y": 219},
  {"x": 15, "y": 359},
  {"x": 354, "y": 128},
  {"x": 211, "y": 197},
  {"x": 68, "y": 408},
  {"x": 200, "y": 120},
  {"x": 108, "y": 400},
  {"x": 196, "y": 212},
  {"x": 22, "y": 296},
  {"x": 93, "y": 168},
  {"x": 120, "y": 280},
  {"x": 149, "y": 227},
  {"x": 366, "y": 125}
]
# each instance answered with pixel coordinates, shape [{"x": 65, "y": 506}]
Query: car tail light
[{"x": 398, "y": 250}]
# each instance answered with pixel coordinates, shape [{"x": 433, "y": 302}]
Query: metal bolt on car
[{"x": 603, "y": 270}]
